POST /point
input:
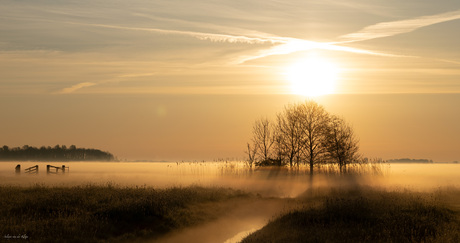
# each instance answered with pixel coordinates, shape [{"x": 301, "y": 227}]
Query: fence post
[
  {"x": 63, "y": 169},
  {"x": 47, "y": 169},
  {"x": 18, "y": 169}
]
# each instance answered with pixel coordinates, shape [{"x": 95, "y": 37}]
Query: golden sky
[{"x": 186, "y": 79}]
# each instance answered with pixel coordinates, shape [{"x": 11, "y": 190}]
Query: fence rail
[
  {"x": 50, "y": 169},
  {"x": 32, "y": 170},
  {"x": 58, "y": 170}
]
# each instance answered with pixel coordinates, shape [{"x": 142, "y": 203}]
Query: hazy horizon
[{"x": 168, "y": 80}]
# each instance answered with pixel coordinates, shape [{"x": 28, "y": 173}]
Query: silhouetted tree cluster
[
  {"x": 407, "y": 160},
  {"x": 56, "y": 153},
  {"x": 303, "y": 133}
]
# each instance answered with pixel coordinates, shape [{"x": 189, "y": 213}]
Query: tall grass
[
  {"x": 94, "y": 213},
  {"x": 366, "y": 215},
  {"x": 236, "y": 168}
]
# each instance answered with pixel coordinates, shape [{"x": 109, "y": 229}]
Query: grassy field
[
  {"x": 96, "y": 213},
  {"x": 106, "y": 213},
  {"x": 368, "y": 215},
  {"x": 357, "y": 206}
]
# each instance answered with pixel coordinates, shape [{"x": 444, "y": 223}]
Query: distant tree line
[
  {"x": 56, "y": 153},
  {"x": 407, "y": 160},
  {"x": 303, "y": 133}
]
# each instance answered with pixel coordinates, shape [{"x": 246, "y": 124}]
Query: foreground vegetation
[
  {"x": 340, "y": 213},
  {"x": 368, "y": 215},
  {"x": 105, "y": 213}
]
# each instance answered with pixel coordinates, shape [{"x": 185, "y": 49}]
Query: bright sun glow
[{"x": 312, "y": 77}]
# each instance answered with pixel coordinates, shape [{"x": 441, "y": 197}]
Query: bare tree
[
  {"x": 314, "y": 119},
  {"x": 341, "y": 143},
  {"x": 303, "y": 132},
  {"x": 263, "y": 138},
  {"x": 251, "y": 152},
  {"x": 278, "y": 143},
  {"x": 290, "y": 133}
]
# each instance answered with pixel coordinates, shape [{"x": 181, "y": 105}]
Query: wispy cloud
[
  {"x": 297, "y": 45},
  {"x": 378, "y": 8},
  {"x": 199, "y": 35},
  {"x": 115, "y": 79},
  {"x": 76, "y": 87},
  {"x": 280, "y": 45},
  {"x": 386, "y": 29}
]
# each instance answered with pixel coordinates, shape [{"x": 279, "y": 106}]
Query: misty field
[
  {"x": 368, "y": 215},
  {"x": 227, "y": 201},
  {"x": 100, "y": 213}
]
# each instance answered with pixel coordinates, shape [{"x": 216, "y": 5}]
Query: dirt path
[{"x": 240, "y": 220}]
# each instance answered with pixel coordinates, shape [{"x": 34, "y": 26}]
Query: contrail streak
[
  {"x": 76, "y": 87},
  {"x": 281, "y": 45},
  {"x": 199, "y": 35},
  {"x": 386, "y": 29}
]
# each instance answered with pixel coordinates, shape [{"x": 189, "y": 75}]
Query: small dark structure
[
  {"x": 61, "y": 169},
  {"x": 30, "y": 170},
  {"x": 270, "y": 162},
  {"x": 17, "y": 169}
]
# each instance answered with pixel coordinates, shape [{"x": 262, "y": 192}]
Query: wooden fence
[
  {"x": 50, "y": 169},
  {"x": 32, "y": 170},
  {"x": 58, "y": 170}
]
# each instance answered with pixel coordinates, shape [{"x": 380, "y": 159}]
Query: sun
[{"x": 312, "y": 77}]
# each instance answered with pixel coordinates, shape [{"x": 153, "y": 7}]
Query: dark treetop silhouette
[
  {"x": 303, "y": 133},
  {"x": 56, "y": 153}
]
